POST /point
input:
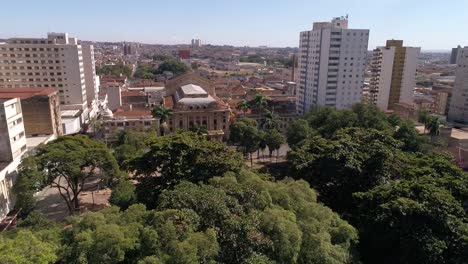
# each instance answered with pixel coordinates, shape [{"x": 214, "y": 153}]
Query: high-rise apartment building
[
  {"x": 196, "y": 43},
  {"x": 91, "y": 79},
  {"x": 393, "y": 70},
  {"x": 12, "y": 134},
  {"x": 53, "y": 62},
  {"x": 332, "y": 60},
  {"x": 454, "y": 55},
  {"x": 458, "y": 111}
]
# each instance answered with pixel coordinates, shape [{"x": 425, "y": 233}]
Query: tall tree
[
  {"x": 163, "y": 114},
  {"x": 414, "y": 221},
  {"x": 433, "y": 125},
  {"x": 243, "y": 106},
  {"x": 69, "y": 162},
  {"x": 298, "y": 131},
  {"x": 177, "y": 157},
  {"x": 269, "y": 120},
  {"x": 259, "y": 102},
  {"x": 246, "y": 136},
  {"x": 274, "y": 139}
]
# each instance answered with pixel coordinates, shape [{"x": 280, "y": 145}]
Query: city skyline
[{"x": 240, "y": 23}]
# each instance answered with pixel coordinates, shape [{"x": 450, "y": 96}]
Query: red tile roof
[
  {"x": 135, "y": 112},
  {"x": 133, "y": 93},
  {"x": 24, "y": 93}
]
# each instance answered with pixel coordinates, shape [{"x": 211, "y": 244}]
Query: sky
[{"x": 430, "y": 24}]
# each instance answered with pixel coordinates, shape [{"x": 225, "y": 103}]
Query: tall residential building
[
  {"x": 52, "y": 62},
  {"x": 458, "y": 111},
  {"x": 91, "y": 79},
  {"x": 454, "y": 55},
  {"x": 393, "y": 70},
  {"x": 196, "y": 43},
  {"x": 332, "y": 59},
  {"x": 12, "y": 135}
]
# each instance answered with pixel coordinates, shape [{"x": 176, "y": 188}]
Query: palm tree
[
  {"x": 163, "y": 114},
  {"x": 433, "y": 125},
  {"x": 269, "y": 120},
  {"x": 243, "y": 106},
  {"x": 260, "y": 102}
]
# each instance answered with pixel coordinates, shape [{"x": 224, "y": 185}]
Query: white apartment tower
[
  {"x": 458, "y": 111},
  {"x": 332, "y": 60},
  {"x": 57, "y": 61},
  {"x": 393, "y": 69},
  {"x": 12, "y": 135},
  {"x": 91, "y": 79}
]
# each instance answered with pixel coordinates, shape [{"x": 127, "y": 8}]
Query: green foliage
[
  {"x": 128, "y": 144},
  {"x": 298, "y": 132},
  {"x": 173, "y": 66},
  {"x": 115, "y": 70},
  {"x": 144, "y": 71},
  {"x": 180, "y": 156},
  {"x": 123, "y": 194},
  {"x": 274, "y": 139},
  {"x": 354, "y": 160},
  {"x": 30, "y": 180},
  {"x": 68, "y": 162},
  {"x": 245, "y": 135},
  {"x": 268, "y": 222},
  {"x": 26, "y": 248},
  {"x": 413, "y": 221}
]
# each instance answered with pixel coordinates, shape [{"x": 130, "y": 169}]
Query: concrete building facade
[
  {"x": 393, "y": 79},
  {"x": 454, "y": 55},
  {"x": 12, "y": 134},
  {"x": 40, "y": 109},
  {"x": 52, "y": 62},
  {"x": 458, "y": 111},
  {"x": 332, "y": 60},
  {"x": 91, "y": 79}
]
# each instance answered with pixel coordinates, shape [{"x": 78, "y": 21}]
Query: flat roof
[
  {"x": 24, "y": 93},
  {"x": 192, "y": 89},
  {"x": 459, "y": 134}
]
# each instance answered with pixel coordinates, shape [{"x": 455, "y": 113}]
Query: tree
[
  {"x": 298, "y": 132},
  {"x": 274, "y": 139},
  {"x": 70, "y": 162},
  {"x": 246, "y": 136},
  {"x": 407, "y": 133},
  {"x": 433, "y": 125},
  {"x": 173, "y": 66},
  {"x": 123, "y": 194},
  {"x": 269, "y": 121},
  {"x": 129, "y": 144},
  {"x": 177, "y": 157},
  {"x": 26, "y": 248},
  {"x": 280, "y": 221},
  {"x": 28, "y": 183},
  {"x": 424, "y": 117},
  {"x": 353, "y": 160},
  {"x": 259, "y": 102},
  {"x": 243, "y": 106},
  {"x": 413, "y": 221},
  {"x": 163, "y": 114},
  {"x": 115, "y": 70}
]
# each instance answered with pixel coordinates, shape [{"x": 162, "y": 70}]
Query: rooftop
[
  {"x": 192, "y": 89},
  {"x": 24, "y": 93}
]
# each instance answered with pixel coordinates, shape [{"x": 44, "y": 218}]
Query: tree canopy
[
  {"x": 115, "y": 70},
  {"x": 237, "y": 218}
]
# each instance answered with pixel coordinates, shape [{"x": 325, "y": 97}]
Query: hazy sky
[{"x": 430, "y": 24}]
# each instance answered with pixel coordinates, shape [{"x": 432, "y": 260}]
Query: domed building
[{"x": 195, "y": 104}]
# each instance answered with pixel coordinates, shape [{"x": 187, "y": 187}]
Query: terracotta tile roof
[
  {"x": 24, "y": 93},
  {"x": 134, "y": 112},
  {"x": 133, "y": 93}
]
